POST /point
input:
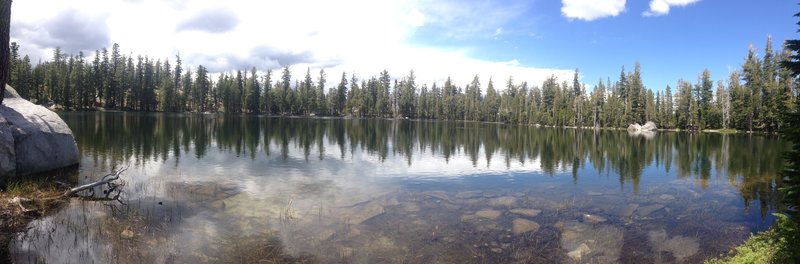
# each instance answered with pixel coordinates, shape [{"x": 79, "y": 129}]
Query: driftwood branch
[{"x": 107, "y": 180}]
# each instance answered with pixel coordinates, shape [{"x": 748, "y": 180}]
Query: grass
[
  {"x": 728, "y": 131},
  {"x": 38, "y": 195},
  {"x": 779, "y": 244}
]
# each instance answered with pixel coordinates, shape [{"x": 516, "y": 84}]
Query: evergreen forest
[{"x": 751, "y": 98}]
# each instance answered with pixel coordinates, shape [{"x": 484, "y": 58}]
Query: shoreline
[{"x": 723, "y": 131}]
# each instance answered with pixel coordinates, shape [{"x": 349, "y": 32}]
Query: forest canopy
[{"x": 751, "y": 98}]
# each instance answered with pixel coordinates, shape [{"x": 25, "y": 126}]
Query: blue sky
[
  {"x": 680, "y": 44},
  {"x": 528, "y": 40}
]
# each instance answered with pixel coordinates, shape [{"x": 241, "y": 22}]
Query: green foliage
[
  {"x": 116, "y": 81},
  {"x": 779, "y": 244}
]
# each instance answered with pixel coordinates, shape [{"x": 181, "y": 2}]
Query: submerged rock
[
  {"x": 647, "y": 210},
  {"x": 41, "y": 139},
  {"x": 591, "y": 243},
  {"x": 679, "y": 246},
  {"x": 594, "y": 219},
  {"x": 628, "y": 210},
  {"x": 363, "y": 213},
  {"x": 578, "y": 253},
  {"x": 526, "y": 212},
  {"x": 520, "y": 226},
  {"x": 490, "y": 214},
  {"x": 506, "y": 201},
  {"x": 469, "y": 194}
]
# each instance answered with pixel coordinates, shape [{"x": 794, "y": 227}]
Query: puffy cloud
[
  {"x": 70, "y": 29},
  {"x": 661, "y": 7},
  {"x": 591, "y": 9},
  {"x": 211, "y": 21},
  {"x": 354, "y": 36}
]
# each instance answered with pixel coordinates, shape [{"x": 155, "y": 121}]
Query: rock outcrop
[
  {"x": 647, "y": 130},
  {"x": 649, "y": 126},
  {"x": 32, "y": 138}
]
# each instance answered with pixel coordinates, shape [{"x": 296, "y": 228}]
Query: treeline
[{"x": 751, "y": 98}]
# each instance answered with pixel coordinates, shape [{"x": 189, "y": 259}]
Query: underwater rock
[
  {"x": 410, "y": 207},
  {"x": 520, "y": 226},
  {"x": 578, "y": 253},
  {"x": 363, "y": 213},
  {"x": 469, "y": 194},
  {"x": 666, "y": 197},
  {"x": 526, "y": 212},
  {"x": 628, "y": 210},
  {"x": 441, "y": 195},
  {"x": 681, "y": 247},
  {"x": 647, "y": 210},
  {"x": 594, "y": 219},
  {"x": 506, "y": 201},
  {"x": 605, "y": 241},
  {"x": 127, "y": 234},
  {"x": 488, "y": 213}
]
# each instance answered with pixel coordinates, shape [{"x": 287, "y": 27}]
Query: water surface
[{"x": 244, "y": 189}]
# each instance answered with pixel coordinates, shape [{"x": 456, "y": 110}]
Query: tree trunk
[{"x": 5, "y": 25}]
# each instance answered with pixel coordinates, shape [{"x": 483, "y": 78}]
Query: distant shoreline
[{"x": 717, "y": 131}]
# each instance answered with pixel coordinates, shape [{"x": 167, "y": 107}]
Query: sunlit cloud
[
  {"x": 589, "y": 10},
  {"x": 662, "y": 7},
  {"x": 360, "y": 37}
]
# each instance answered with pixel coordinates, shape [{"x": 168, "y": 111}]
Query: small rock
[
  {"x": 127, "y": 234},
  {"x": 441, "y": 195},
  {"x": 326, "y": 234},
  {"x": 574, "y": 255},
  {"x": 506, "y": 201},
  {"x": 628, "y": 210},
  {"x": 497, "y": 250},
  {"x": 411, "y": 207},
  {"x": 490, "y": 214},
  {"x": 526, "y": 212},
  {"x": 578, "y": 253},
  {"x": 594, "y": 219},
  {"x": 469, "y": 194},
  {"x": 647, "y": 210},
  {"x": 523, "y": 225},
  {"x": 666, "y": 197}
]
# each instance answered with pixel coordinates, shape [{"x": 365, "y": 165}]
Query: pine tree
[
  {"x": 703, "y": 96},
  {"x": 753, "y": 84},
  {"x": 321, "y": 102}
]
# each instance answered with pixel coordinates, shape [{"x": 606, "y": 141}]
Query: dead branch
[{"x": 107, "y": 180}]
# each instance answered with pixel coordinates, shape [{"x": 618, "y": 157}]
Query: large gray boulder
[
  {"x": 41, "y": 139},
  {"x": 649, "y": 126},
  {"x": 8, "y": 157}
]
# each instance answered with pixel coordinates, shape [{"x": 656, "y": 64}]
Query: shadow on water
[{"x": 217, "y": 188}]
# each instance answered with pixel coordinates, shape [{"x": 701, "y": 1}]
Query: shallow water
[{"x": 243, "y": 189}]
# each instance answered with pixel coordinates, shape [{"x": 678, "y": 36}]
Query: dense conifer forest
[{"x": 751, "y": 98}]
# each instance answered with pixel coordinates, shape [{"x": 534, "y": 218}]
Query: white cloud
[
  {"x": 354, "y": 36},
  {"x": 661, "y": 7},
  {"x": 591, "y": 9}
]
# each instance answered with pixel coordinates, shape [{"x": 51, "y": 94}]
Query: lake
[{"x": 207, "y": 188}]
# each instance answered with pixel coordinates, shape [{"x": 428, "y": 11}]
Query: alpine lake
[{"x": 209, "y": 188}]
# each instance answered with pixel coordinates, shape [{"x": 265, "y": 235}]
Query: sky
[{"x": 501, "y": 39}]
